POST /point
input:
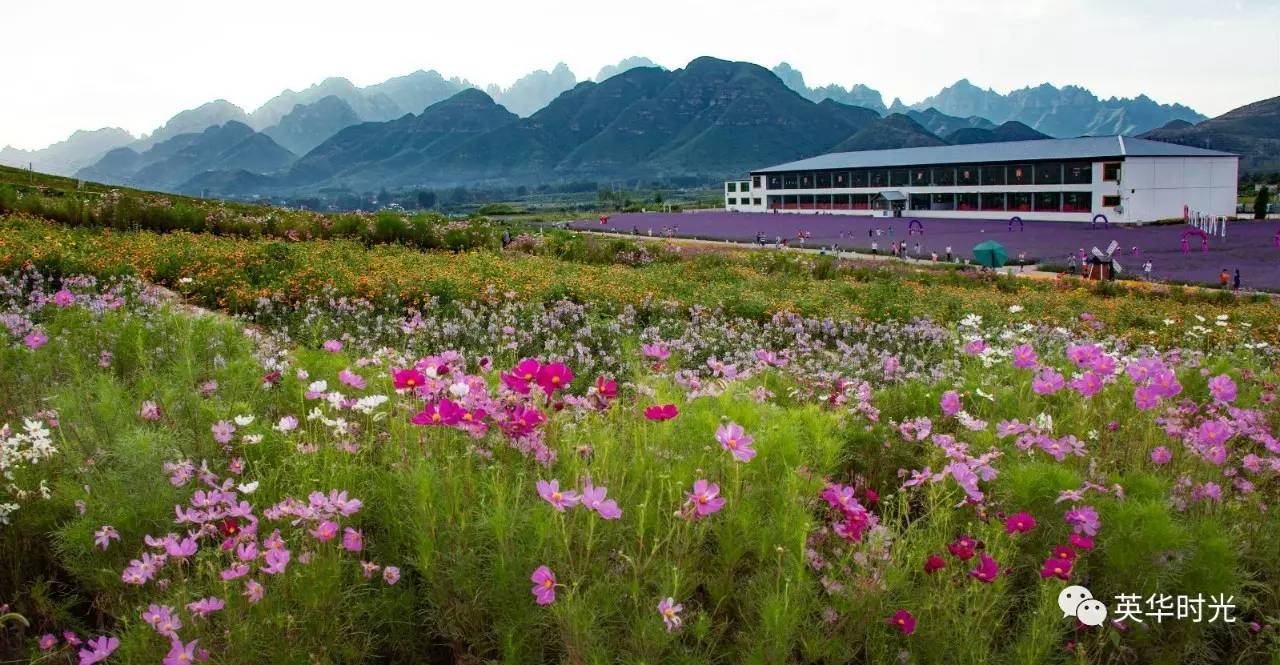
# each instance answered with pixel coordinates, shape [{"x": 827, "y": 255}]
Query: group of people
[{"x": 1224, "y": 278}]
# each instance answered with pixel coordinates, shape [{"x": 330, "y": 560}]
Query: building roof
[
  {"x": 1083, "y": 148},
  {"x": 892, "y": 196}
]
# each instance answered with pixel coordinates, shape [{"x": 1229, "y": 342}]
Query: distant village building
[{"x": 1124, "y": 179}]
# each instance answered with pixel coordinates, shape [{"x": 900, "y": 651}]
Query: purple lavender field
[{"x": 1249, "y": 246}]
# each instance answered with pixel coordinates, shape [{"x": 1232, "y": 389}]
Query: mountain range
[{"x": 1251, "y": 131}]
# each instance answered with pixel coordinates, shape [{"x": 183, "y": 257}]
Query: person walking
[
  {"x": 1146, "y": 270},
  {"x": 875, "y": 248},
  {"x": 1235, "y": 281},
  {"x": 917, "y": 249},
  {"x": 1071, "y": 263},
  {"x": 1223, "y": 278},
  {"x": 948, "y": 253}
]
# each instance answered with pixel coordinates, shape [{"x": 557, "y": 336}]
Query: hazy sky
[{"x": 134, "y": 63}]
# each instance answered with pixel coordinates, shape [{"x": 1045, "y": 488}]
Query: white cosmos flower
[
  {"x": 1014, "y": 309},
  {"x": 248, "y": 488},
  {"x": 243, "y": 421},
  {"x": 459, "y": 390}
]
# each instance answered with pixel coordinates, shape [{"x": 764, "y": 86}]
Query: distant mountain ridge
[
  {"x": 169, "y": 163},
  {"x": 1251, "y": 131},
  {"x": 81, "y": 149}
]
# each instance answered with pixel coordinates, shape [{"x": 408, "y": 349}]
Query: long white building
[{"x": 1123, "y": 179}]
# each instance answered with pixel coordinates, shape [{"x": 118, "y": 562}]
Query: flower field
[{"x": 362, "y": 452}]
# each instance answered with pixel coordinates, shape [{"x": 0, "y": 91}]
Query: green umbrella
[{"x": 990, "y": 254}]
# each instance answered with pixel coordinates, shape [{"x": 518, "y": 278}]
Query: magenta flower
[
  {"x": 352, "y": 540},
  {"x": 963, "y": 548},
  {"x": 35, "y": 339},
  {"x": 277, "y": 560},
  {"x": 933, "y": 564},
  {"x": 325, "y": 531},
  {"x": 1081, "y": 541},
  {"x": 1056, "y": 567},
  {"x": 253, "y": 591},
  {"x": 904, "y": 621},
  {"x": 98, "y": 649},
  {"x": 1047, "y": 382},
  {"x": 1087, "y": 384},
  {"x": 235, "y": 572},
  {"x": 656, "y": 352},
  {"x": 71, "y": 638},
  {"x": 670, "y": 612},
  {"x": 1161, "y": 455},
  {"x": 986, "y": 570},
  {"x": 332, "y": 345},
  {"x": 559, "y": 499},
  {"x": 735, "y": 440},
  {"x": 593, "y": 498},
  {"x": 661, "y": 412},
  {"x": 1223, "y": 388},
  {"x": 408, "y": 379},
  {"x": 1084, "y": 519},
  {"x": 544, "y": 585},
  {"x": 149, "y": 411},
  {"x": 705, "y": 499},
  {"x": 181, "y": 654},
  {"x": 1024, "y": 356},
  {"x": 63, "y": 297},
  {"x": 47, "y": 641},
  {"x": 1146, "y": 398},
  {"x": 554, "y": 376},
  {"x": 206, "y": 606},
  {"x": 520, "y": 376},
  {"x": 103, "y": 537},
  {"x": 951, "y": 403},
  {"x": 1019, "y": 523},
  {"x": 444, "y": 412},
  {"x": 391, "y": 575}
]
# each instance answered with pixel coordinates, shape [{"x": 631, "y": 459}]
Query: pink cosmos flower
[
  {"x": 35, "y": 339},
  {"x": 1081, "y": 541},
  {"x": 1223, "y": 388},
  {"x": 149, "y": 411},
  {"x": 1146, "y": 398},
  {"x": 963, "y": 548},
  {"x": 235, "y": 572},
  {"x": 180, "y": 654},
  {"x": 352, "y": 540},
  {"x": 986, "y": 570},
  {"x": 593, "y": 498},
  {"x": 1024, "y": 356},
  {"x": 1161, "y": 455},
  {"x": 1087, "y": 384},
  {"x": 1165, "y": 382},
  {"x": 1056, "y": 567},
  {"x": 1084, "y": 519},
  {"x": 705, "y": 499},
  {"x": 163, "y": 620},
  {"x": 976, "y": 347},
  {"x": 554, "y": 376},
  {"x": 277, "y": 560},
  {"x": 444, "y": 412},
  {"x": 1019, "y": 523},
  {"x": 222, "y": 431},
  {"x": 325, "y": 531},
  {"x": 1047, "y": 382},
  {"x": 933, "y": 564},
  {"x": 950, "y": 403},
  {"x": 544, "y": 585},
  {"x": 904, "y": 621},
  {"x": 391, "y": 575},
  {"x": 606, "y": 388},
  {"x": 656, "y": 352},
  {"x": 735, "y": 440},
  {"x": 98, "y": 649},
  {"x": 253, "y": 591},
  {"x": 332, "y": 346},
  {"x": 368, "y": 568},
  {"x": 206, "y": 606},
  {"x": 520, "y": 376},
  {"x": 661, "y": 412},
  {"x": 552, "y": 494},
  {"x": 670, "y": 612},
  {"x": 47, "y": 641},
  {"x": 63, "y": 297},
  {"x": 408, "y": 379},
  {"x": 351, "y": 379},
  {"x": 103, "y": 537}
]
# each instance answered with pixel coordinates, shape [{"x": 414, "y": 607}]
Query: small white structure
[{"x": 1116, "y": 178}]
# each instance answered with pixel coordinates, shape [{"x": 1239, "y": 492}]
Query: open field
[
  {"x": 362, "y": 447},
  {"x": 1249, "y": 245}
]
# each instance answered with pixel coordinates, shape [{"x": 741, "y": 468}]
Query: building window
[
  {"x": 744, "y": 186},
  {"x": 806, "y": 181},
  {"x": 942, "y": 201},
  {"x": 1077, "y": 202},
  {"x": 919, "y": 201},
  {"x": 1018, "y": 174},
  {"x": 755, "y": 181},
  {"x": 858, "y": 178},
  {"x": 1020, "y": 202},
  {"x": 994, "y": 201},
  {"x": 993, "y": 175},
  {"x": 860, "y": 201},
  {"x": 755, "y": 202},
  {"x": 775, "y": 202},
  {"x": 824, "y": 180},
  {"x": 1077, "y": 173},
  {"x": 790, "y": 180},
  {"x": 733, "y": 201},
  {"x": 840, "y": 201},
  {"x": 966, "y": 175},
  {"x": 731, "y": 186},
  {"x": 775, "y": 182},
  {"x": 1111, "y": 172},
  {"x": 899, "y": 177},
  {"x": 878, "y": 178},
  {"x": 1111, "y": 201},
  {"x": 806, "y": 200},
  {"x": 943, "y": 177},
  {"x": 966, "y": 201},
  {"x": 1049, "y": 174},
  {"x": 790, "y": 202},
  {"x": 840, "y": 179},
  {"x": 920, "y": 177},
  {"x": 1048, "y": 201}
]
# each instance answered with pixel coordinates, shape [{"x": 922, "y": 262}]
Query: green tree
[{"x": 1260, "y": 202}]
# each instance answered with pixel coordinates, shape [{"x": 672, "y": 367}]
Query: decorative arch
[
  {"x": 1021, "y": 226},
  {"x": 1106, "y": 223},
  {"x": 915, "y": 226},
  {"x": 1195, "y": 233},
  {"x": 604, "y": 219}
]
